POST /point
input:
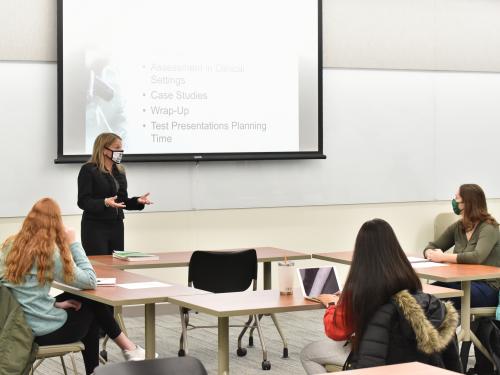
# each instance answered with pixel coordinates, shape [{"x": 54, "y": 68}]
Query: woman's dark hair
[
  {"x": 475, "y": 209},
  {"x": 379, "y": 270}
]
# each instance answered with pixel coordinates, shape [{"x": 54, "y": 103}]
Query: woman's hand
[
  {"x": 111, "y": 202},
  {"x": 70, "y": 235},
  {"x": 69, "y": 304},
  {"x": 144, "y": 199},
  {"x": 435, "y": 255},
  {"x": 328, "y": 298}
]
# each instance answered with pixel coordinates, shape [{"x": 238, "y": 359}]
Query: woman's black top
[{"x": 94, "y": 186}]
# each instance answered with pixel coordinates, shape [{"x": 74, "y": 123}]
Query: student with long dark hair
[
  {"x": 382, "y": 312},
  {"x": 476, "y": 240}
]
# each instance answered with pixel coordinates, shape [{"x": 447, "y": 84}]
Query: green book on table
[{"x": 134, "y": 256}]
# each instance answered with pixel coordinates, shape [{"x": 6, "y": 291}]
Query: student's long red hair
[{"x": 35, "y": 244}]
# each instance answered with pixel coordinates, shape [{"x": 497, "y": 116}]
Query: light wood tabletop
[
  {"x": 265, "y": 255},
  {"x": 268, "y": 301},
  {"x": 448, "y": 273},
  {"x": 342, "y": 257},
  {"x": 119, "y": 296},
  {"x": 181, "y": 258},
  {"x": 246, "y": 303},
  {"x": 441, "y": 292},
  {"x": 411, "y": 368}
]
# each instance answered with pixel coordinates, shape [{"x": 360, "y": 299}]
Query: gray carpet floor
[{"x": 300, "y": 328}]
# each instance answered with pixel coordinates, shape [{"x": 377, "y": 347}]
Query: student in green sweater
[
  {"x": 477, "y": 241},
  {"x": 43, "y": 251}
]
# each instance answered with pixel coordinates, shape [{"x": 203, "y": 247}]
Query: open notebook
[{"x": 318, "y": 280}]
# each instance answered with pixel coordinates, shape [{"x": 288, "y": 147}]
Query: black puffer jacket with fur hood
[{"x": 416, "y": 327}]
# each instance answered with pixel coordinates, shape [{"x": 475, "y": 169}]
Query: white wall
[{"x": 389, "y": 136}]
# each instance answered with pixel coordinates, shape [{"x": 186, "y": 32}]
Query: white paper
[
  {"x": 428, "y": 265},
  {"x": 146, "y": 285},
  {"x": 417, "y": 260},
  {"x": 106, "y": 281}
]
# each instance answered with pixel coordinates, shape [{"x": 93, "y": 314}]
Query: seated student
[
  {"x": 477, "y": 241},
  {"x": 43, "y": 251},
  {"x": 382, "y": 312}
]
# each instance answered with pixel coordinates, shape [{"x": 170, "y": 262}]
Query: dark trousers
[
  {"x": 102, "y": 237},
  {"x": 482, "y": 294},
  {"x": 83, "y": 325}
]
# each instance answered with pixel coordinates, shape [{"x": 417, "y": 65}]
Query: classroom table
[
  {"x": 265, "y": 255},
  {"x": 118, "y": 296},
  {"x": 465, "y": 273},
  {"x": 225, "y": 305},
  {"x": 410, "y": 368}
]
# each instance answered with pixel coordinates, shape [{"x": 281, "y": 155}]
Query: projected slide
[{"x": 190, "y": 76}]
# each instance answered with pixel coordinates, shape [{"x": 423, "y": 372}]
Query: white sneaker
[{"x": 137, "y": 354}]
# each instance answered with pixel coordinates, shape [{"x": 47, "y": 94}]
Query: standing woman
[
  {"x": 477, "y": 241},
  {"x": 102, "y": 195}
]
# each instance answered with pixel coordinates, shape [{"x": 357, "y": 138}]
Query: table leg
[
  {"x": 118, "y": 313},
  {"x": 465, "y": 312},
  {"x": 267, "y": 275},
  {"x": 149, "y": 330},
  {"x": 465, "y": 334},
  {"x": 223, "y": 328}
]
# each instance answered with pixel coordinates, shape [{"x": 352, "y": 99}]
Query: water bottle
[{"x": 498, "y": 308}]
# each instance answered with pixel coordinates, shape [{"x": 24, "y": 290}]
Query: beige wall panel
[
  {"x": 28, "y": 30},
  {"x": 382, "y": 34},
  {"x": 456, "y": 35},
  {"x": 468, "y": 36}
]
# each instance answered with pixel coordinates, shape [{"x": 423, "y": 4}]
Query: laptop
[{"x": 318, "y": 280}]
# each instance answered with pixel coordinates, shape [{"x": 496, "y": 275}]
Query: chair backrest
[
  {"x": 223, "y": 271},
  {"x": 443, "y": 221}
]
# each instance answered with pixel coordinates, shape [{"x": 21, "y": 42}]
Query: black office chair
[
  {"x": 223, "y": 272},
  {"x": 163, "y": 366}
]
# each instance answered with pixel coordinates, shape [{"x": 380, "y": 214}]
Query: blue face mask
[{"x": 456, "y": 209}]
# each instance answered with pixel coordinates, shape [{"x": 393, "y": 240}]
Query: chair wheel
[
  {"x": 266, "y": 365},
  {"x": 181, "y": 353},
  {"x": 241, "y": 352},
  {"x": 104, "y": 355},
  {"x": 250, "y": 342},
  {"x": 285, "y": 352}
]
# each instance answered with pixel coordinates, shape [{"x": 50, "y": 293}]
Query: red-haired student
[{"x": 43, "y": 251}]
